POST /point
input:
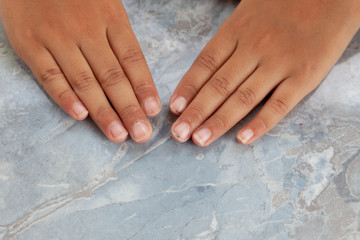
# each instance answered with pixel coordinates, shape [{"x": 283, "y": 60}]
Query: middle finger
[
  {"x": 81, "y": 78},
  {"x": 118, "y": 88},
  {"x": 213, "y": 94}
]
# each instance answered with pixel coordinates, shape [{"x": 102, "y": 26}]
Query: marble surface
[{"x": 62, "y": 179}]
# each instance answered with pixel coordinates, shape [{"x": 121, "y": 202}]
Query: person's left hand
[{"x": 280, "y": 45}]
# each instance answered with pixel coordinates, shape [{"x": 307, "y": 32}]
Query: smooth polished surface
[{"x": 62, "y": 179}]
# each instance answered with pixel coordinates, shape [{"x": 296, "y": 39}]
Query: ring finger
[
  {"x": 213, "y": 94},
  {"x": 81, "y": 78},
  {"x": 54, "y": 82},
  {"x": 239, "y": 104},
  {"x": 118, "y": 88}
]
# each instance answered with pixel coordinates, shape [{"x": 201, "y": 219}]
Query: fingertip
[
  {"x": 118, "y": 140},
  {"x": 79, "y": 111},
  {"x": 176, "y": 137},
  {"x": 178, "y": 105},
  {"x": 152, "y": 106},
  {"x": 201, "y": 137},
  {"x": 117, "y": 132},
  {"x": 141, "y": 132},
  {"x": 245, "y": 136},
  {"x": 199, "y": 144},
  {"x": 181, "y": 132}
]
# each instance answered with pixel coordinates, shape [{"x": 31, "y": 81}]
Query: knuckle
[
  {"x": 112, "y": 13},
  {"x": 262, "y": 124},
  {"x": 83, "y": 81},
  {"x": 87, "y": 30},
  {"x": 245, "y": 97},
  {"x": 307, "y": 71},
  {"x": 279, "y": 105},
  {"x": 208, "y": 61},
  {"x": 132, "y": 55},
  {"x": 130, "y": 111},
  {"x": 221, "y": 84},
  {"x": 28, "y": 35},
  {"x": 50, "y": 75},
  {"x": 309, "y": 67},
  {"x": 221, "y": 122},
  {"x": 264, "y": 40},
  {"x": 64, "y": 94},
  {"x": 197, "y": 113},
  {"x": 189, "y": 88},
  {"x": 143, "y": 87},
  {"x": 104, "y": 113},
  {"x": 112, "y": 77}
]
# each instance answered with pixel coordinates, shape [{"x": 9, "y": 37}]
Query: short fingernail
[
  {"x": 151, "y": 106},
  {"x": 245, "y": 135},
  {"x": 117, "y": 131},
  {"x": 182, "y": 131},
  {"x": 80, "y": 110},
  {"x": 202, "y": 136},
  {"x": 178, "y": 105},
  {"x": 140, "y": 131}
]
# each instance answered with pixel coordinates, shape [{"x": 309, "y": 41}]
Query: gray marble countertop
[{"x": 62, "y": 179}]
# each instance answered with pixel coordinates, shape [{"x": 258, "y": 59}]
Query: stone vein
[{"x": 53, "y": 205}]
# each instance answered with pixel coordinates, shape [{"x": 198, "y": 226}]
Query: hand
[
  {"x": 280, "y": 45},
  {"x": 86, "y": 55}
]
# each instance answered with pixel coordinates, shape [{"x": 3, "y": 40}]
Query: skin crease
[
  {"x": 281, "y": 45},
  {"x": 84, "y": 52}
]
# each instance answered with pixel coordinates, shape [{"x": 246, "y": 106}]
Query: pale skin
[{"x": 86, "y": 56}]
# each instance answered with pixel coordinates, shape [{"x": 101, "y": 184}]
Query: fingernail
[
  {"x": 151, "y": 106},
  {"x": 117, "y": 131},
  {"x": 178, "y": 105},
  {"x": 245, "y": 135},
  {"x": 140, "y": 131},
  {"x": 182, "y": 131},
  {"x": 80, "y": 110},
  {"x": 202, "y": 135}
]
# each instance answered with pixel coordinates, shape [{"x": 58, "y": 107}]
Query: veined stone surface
[{"x": 62, "y": 179}]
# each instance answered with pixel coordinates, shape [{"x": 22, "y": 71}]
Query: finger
[
  {"x": 215, "y": 92},
  {"x": 50, "y": 76},
  {"x": 84, "y": 83},
  {"x": 129, "y": 54},
  {"x": 218, "y": 50},
  {"x": 284, "y": 98},
  {"x": 238, "y": 105},
  {"x": 117, "y": 88}
]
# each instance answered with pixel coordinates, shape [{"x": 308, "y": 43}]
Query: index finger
[
  {"x": 130, "y": 56},
  {"x": 219, "y": 49}
]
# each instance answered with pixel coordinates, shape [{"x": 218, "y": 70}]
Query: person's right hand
[{"x": 87, "y": 58}]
